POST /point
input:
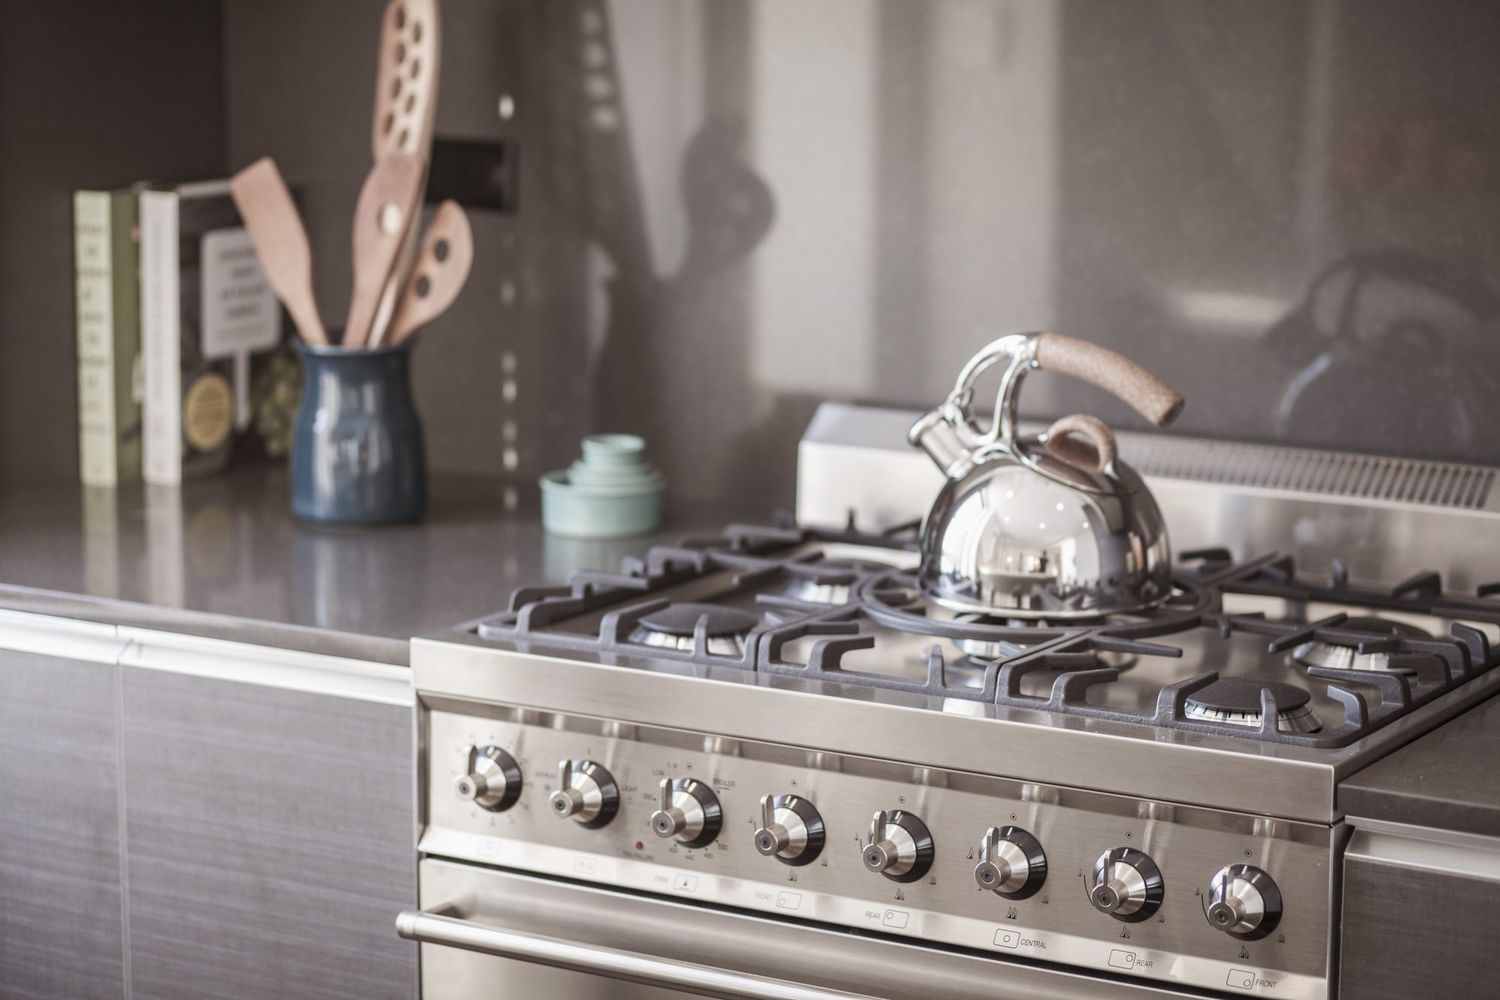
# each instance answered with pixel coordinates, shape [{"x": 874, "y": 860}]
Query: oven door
[{"x": 504, "y": 936}]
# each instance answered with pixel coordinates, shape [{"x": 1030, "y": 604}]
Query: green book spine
[{"x": 108, "y": 329}]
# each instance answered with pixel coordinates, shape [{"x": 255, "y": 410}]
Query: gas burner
[
  {"x": 1317, "y": 653},
  {"x": 1235, "y": 701},
  {"x": 812, "y": 591},
  {"x": 673, "y": 626},
  {"x": 830, "y": 581},
  {"x": 984, "y": 650},
  {"x": 774, "y": 615}
]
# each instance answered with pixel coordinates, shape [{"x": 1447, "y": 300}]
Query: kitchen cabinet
[
  {"x": 61, "y": 926},
  {"x": 269, "y": 840},
  {"x": 195, "y": 818},
  {"x": 1449, "y": 952}
]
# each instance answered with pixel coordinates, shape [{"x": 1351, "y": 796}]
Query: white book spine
[
  {"x": 161, "y": 342},
  {"x": 98, "y": 464}
]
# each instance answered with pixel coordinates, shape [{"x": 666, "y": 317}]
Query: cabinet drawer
[
  {"x": 60, "y": 917},
  {"x": 1419, "y": 916},
  {"x": 269, "y": 841}
]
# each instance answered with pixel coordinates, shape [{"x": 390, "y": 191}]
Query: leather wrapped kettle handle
[
  {"x": 1147, "y": 395},
  {"x": 1082, "y": 441}
]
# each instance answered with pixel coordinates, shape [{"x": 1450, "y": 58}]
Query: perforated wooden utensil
[
  {"x": 387, "y": 206},
  {"x": 275, "y": 226},
  {"x": 406, "y": 83},
  {"x": 442, "y": 268},
  {"x": 406, "y": 87}
]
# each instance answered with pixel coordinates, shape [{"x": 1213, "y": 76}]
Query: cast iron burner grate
[
  {"x": 1314, "y": 653},
  {"x": 771, "y": 564},
  {"x": 755, "y": 557}
]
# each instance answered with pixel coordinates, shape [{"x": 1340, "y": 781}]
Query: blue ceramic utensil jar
[{"x": 357, "y": 455}]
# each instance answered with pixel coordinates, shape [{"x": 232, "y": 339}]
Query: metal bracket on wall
[{"x": 483, "y": 175}]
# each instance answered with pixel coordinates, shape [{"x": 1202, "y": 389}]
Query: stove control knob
[
  {"x": 491, "y": 779},
  {"x": 586, "y": 793},
  {"x": 1011, "y": 863},
  {"x": 689, "y": 811},
  {"x": 1243, "y": 902},
  {"x": 1126, "y": 884},
  {"x": 899, "y": 846},
  {"x": 791, "y": 829}
]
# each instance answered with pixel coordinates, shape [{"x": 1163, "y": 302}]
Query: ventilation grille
[{"x": 1329, "y": 473}]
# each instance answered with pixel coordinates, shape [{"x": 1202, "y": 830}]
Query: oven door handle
[{"x": 439, "y": 926}]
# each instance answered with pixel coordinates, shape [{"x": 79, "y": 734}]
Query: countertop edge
[
  {"x": 1431, "y": 782},
  {"x": 1414, "y": 809},
  {"x": 209, "y": 625}
]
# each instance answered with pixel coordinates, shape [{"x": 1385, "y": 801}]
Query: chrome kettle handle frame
[
  {"x": 950, "y": 433},
  {"x": 1019, "y": 351}
]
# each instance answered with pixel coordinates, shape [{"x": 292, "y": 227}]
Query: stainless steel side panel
[{"x": 593, "y": 919}]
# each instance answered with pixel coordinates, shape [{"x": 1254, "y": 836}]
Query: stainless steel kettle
[{"x": 1049, "y": 526}]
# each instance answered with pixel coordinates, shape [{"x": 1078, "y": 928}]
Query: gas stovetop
[
  {"x": 1249, "y": 651},
  {"x": 776, "y": 721}
]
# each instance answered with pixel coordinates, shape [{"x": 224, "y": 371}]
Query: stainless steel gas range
[{"x": 764, "y": 764}]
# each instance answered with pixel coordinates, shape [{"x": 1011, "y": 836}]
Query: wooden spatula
[
  {"x": 442, "y": 268},
  {"x": 387, "y": 205},
  {"x": 275, "y": 227}
]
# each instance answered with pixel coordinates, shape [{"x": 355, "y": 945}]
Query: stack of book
[{"x": 172, "y": 312}]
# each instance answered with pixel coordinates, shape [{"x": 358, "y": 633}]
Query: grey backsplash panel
[
  {"x": 93, "y": 94},
  {"x": 731, "y": 211}
]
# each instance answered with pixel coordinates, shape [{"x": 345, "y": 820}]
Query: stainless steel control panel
[{"x": 1143, "y": 889}]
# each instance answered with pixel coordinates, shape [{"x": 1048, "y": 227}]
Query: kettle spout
[{"x": 936, "y": 435}]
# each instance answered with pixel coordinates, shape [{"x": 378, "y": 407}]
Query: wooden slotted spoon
[
  {"x": 406, "y": 87},
  {"x": 442, "y": 268},
  {"x": 385, "y": 214}
]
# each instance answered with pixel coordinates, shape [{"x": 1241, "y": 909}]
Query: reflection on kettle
[{"x": 1047, "y": 526}]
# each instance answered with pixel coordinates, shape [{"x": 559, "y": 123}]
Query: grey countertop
[
  {"x": 223, "y": 557},
  {"x": 1447, "y": 779}
]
